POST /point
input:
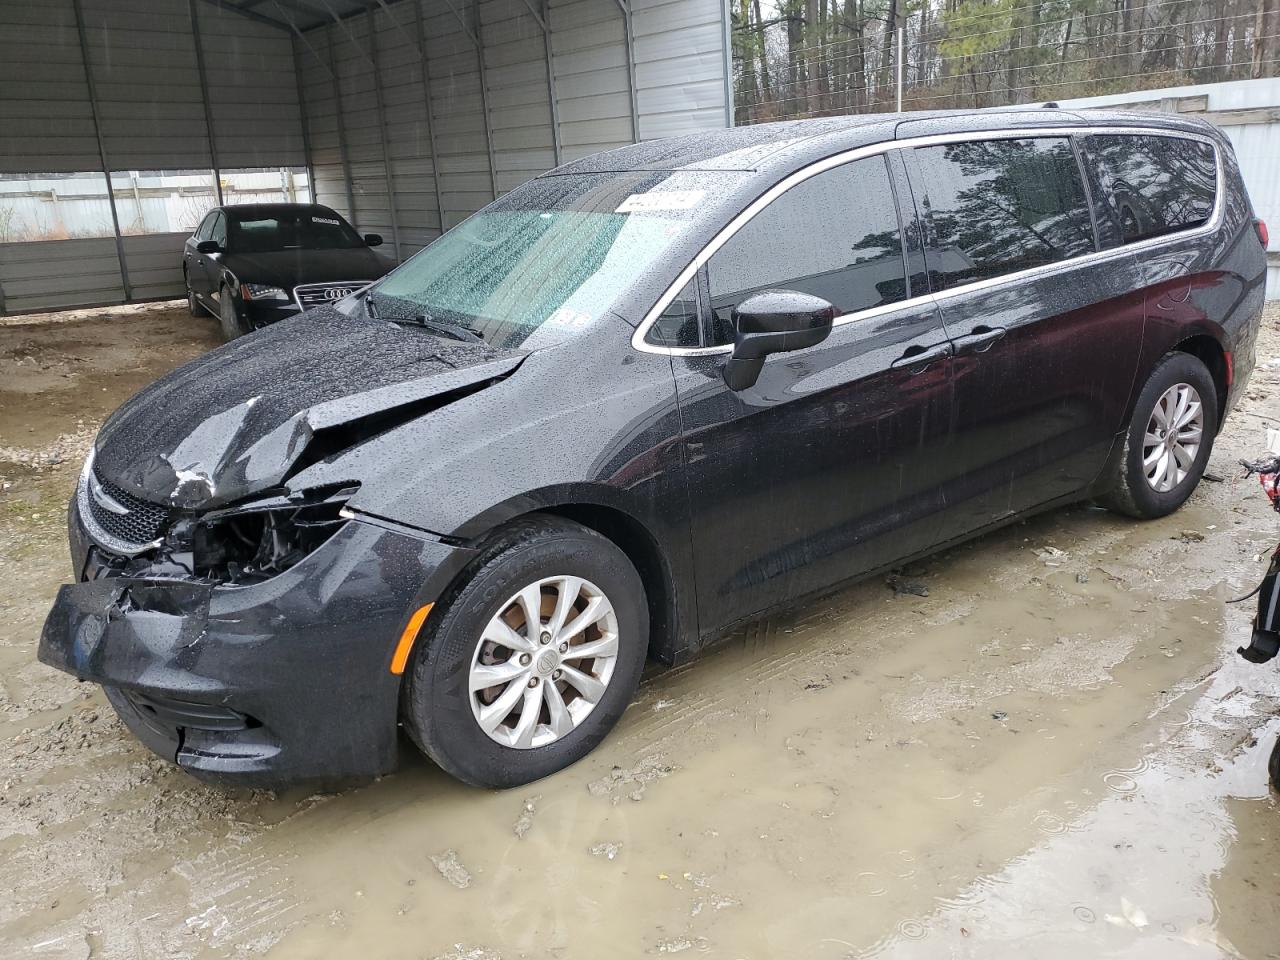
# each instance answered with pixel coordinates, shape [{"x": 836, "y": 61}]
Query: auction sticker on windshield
[{"x": 661, "y": 200}]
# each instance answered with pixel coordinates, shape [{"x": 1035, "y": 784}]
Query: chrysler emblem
[{"x": 104, "y": 499}]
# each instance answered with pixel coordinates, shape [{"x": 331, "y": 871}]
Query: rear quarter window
[{"x": 1149, "y": 186}]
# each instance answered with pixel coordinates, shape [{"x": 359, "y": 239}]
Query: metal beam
[
  {"x": 297, "y": 32},
  {"x": 102, "y": 146},
  {"x": 304, "y": 122},
  {"x": 474, "y": 34},
  {"x": 382, "y": 136},
  {"x": 625, "y": 7},
  {"x": 544, "y": 19},
  {"x": 248, "y": 14},
  {"x": 727, "y": 40},
  {"x": 204, "y": 99},
  {"x": 342, "y": 127},
  {"x": 431, "y": 116}
]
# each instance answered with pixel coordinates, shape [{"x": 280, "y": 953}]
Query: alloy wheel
[
  {"x": 1173, "y": 437},
  {"x": 543, "y": 662}
]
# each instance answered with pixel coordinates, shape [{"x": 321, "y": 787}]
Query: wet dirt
[{"x": 1039, "y": 744}]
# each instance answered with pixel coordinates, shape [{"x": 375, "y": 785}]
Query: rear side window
[
  {"x": 993, "y": 207},
  {"x": 835, "y": 236},
  {"x": 1148, "y": 186}
]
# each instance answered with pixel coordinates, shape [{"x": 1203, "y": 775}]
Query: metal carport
[{"x": 407, "y": 115}]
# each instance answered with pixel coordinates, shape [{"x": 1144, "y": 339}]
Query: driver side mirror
[
  {"x": 373, "y": 239},
  {"x": 774, "y": 321},
  {"x": 208, "y": 246}
]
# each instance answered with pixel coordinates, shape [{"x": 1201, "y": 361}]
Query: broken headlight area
[
  {"x": 238, "y": 545},
  {"x": 258, "y": 541}
]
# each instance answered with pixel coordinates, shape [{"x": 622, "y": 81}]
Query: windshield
[
  {"x": 544, "y": 262},
  {"x": 305, "y": 229}
]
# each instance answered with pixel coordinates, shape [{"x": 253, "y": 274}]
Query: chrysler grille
[
  {"x": 140, "y": 525},
  {"x": 311, "y": 295}
]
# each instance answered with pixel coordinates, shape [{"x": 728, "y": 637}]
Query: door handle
[
  {"x": 980, "y": 339},
  {"x": 918, "y": 358}
]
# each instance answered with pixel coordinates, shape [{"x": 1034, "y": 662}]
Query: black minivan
[{"x": 638, "y": 400}]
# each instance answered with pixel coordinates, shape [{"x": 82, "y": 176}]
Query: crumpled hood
[{"x": 235, "y": 421}]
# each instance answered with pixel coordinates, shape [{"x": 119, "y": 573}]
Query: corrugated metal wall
[
  {"x": 618, "y": 74},
  {"x": 411, "y": 115}
]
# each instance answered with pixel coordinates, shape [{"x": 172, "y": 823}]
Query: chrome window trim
[{"x": 638, "y": 341}]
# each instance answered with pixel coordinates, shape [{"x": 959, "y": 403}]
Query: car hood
[
  {"x": 245, "y": 417},
  {"x": 288, "y": 268}
]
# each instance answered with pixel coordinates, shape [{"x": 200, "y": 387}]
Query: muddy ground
[{"x": 1055, "y": 753}]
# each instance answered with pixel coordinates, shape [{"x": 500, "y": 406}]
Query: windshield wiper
[
  {"x": 455, "y": 330},
  {"x": 369, "y": 306}
]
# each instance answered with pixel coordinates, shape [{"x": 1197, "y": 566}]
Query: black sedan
[
  {"x": 636, "y": 401},
  {"x": 255, "y": 263}
]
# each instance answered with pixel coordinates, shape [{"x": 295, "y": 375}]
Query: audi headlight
[{"x": 262, "y": 291}]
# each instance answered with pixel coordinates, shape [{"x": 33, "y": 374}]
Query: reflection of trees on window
[
  {"x": 1154, "y": 185},
  {"x": 995, "y": 207},
  {"x": 835, "y": 236}
]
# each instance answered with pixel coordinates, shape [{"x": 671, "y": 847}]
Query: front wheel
[
  {"x": 193, "y": 306},
  {"x": 1273, "y": 766},
  {"x": 526, "y": 664},
  {"x": 1168, "y": 442},
  {"x": 229, "y": 316}
]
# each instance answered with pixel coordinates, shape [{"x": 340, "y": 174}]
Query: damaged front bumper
[{"x": 282, "y": 681}]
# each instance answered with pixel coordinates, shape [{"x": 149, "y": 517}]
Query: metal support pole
[
  {"x": 305, "y": 123},
  {"x": 382, "y": 135},
  {"x": 625, "y": 7},
  {"x": 729, "y": 106},
  {"x": 431, "y": 116},
  {"x": 902, "y": 33},
  {"x": 478, "y": 35},
  {"x": 204, "y": 99},
  {"x": 543, "y": 17},
  {"x": 342, "y": 125},
  {"x": 102, "y": 147}
]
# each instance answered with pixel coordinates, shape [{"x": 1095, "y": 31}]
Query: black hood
[
  {"x": 288, "y": 268},
  {"x": 240, "y": 419}
]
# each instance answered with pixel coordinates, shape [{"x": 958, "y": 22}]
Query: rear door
[
  {"x": 1046, "y": 337},
  {"x": 821, "y": 470}
]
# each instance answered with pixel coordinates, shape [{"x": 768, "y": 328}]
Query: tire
[
  {"x": 1273, "y": 766},
  {"x": 229, "y": 316},
  {"x": 1130, "y": 491},
  {"x": 440, "y": 710},
  {"x": 193, "y": 307}
]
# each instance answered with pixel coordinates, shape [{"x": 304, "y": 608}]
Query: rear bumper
[{"x": 277, "y": 683}]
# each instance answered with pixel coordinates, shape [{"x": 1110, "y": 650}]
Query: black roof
[{"x": 789, "y": 144}]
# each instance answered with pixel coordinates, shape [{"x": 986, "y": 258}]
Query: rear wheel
[
  {"x": 1169, "y": 439},
  {"x": 229, "y": 316},
  {"x": 1273, "y": 766},
  {"x": 527, "y": 664}
]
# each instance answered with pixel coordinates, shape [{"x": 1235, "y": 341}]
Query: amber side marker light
[{"x": 405, "y": 646}]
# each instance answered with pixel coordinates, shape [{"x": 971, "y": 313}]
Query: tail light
[{"x": 1263, "y": 235}]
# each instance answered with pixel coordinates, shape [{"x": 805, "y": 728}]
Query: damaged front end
[
  {"x": 124, "y": 535},
  {"x": 250, "y": 645}
]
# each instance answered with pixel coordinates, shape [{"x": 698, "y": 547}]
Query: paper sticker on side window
[
  {"x": 661, "y": 200},
  {"x": 324, "y": 220}
]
